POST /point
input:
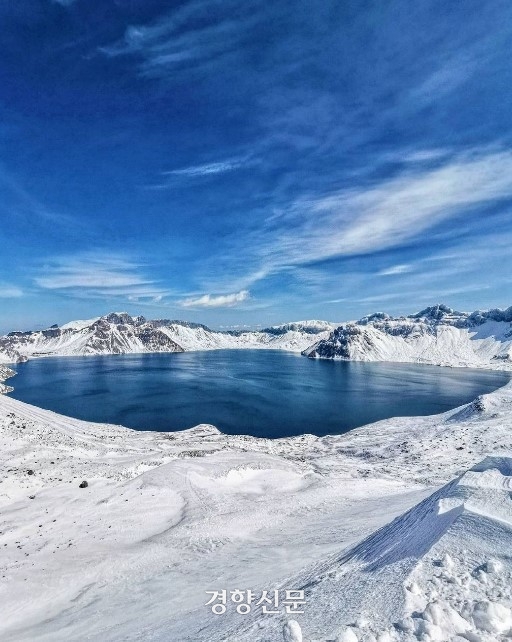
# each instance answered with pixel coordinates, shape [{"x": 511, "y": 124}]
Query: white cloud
[
  {"x": 96, "y": 274},
  {"x": 342, "y": 300},
  {"x": 450, "y": 75},
  {"x": 360, "y": 221},
  {"x": 210, "y": 168},
  {"x": 90, "y": 271},
  {"x": 382, "y": 216},
  {"x": 220, "y": 301},
  {"x": 10, "y": 291},
  {"x": 199, "y": 171},
  {"x": 397, "y": 210},
  {"x": 175, "y": 40},
  {"x": 395, "y": 269}
]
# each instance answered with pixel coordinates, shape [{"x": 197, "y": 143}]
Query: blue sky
[{"x": 250, "y": 162}]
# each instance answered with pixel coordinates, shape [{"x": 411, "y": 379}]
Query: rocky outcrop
[
  {"x": 5, "y": 373},
  {"x": 437, "y": 335}
]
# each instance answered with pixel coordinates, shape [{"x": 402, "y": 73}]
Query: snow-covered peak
[
  {"x": 119, "y": 332},
  {"x": 309, "y": 327},
  {"x": 120, "y": 318},
  {"x": 79, "y": 324},
  {"x": 437, "y": 335},
  {"x": 437, "y": 313}
]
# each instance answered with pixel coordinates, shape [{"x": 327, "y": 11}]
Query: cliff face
[
  {"x": 437, "y": 335},
  {"x": 111, "y": 334}
]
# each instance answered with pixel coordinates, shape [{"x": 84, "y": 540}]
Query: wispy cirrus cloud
[
  {"x": 445, "y": 275},
  {"x": 451, "y": 73},
  {"x": 423, "y": 155},
  {"x": 23, "y": 203},
  {"x": 8, "y": 291},
  {"x": 429, "y": 295},
  {"x": 395, "y": 269},
  {"x": 195, "y": 33},
  {"x": 219, "y": 301},
  {"x": 383, "y": 215},
  {"x": 200, "y": 171},
  {"x": 102, "y": 275},
  {"x": 421, "y": 203},
  {"x": 208, "y": 168}
]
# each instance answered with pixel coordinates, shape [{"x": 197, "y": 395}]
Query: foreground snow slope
[
  {"x": 119, "y": 333},
  {"x": 168, "y": 516},
  {"x": 442, "y": 571},
  {"x": 436, "y": 335}
]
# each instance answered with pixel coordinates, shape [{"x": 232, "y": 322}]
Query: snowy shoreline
[
  {"x": 437, "y": 335},
  {"x": 168, "y": 516},
  {"x": 6, "y": 373}
]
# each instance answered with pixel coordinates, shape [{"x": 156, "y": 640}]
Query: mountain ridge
[
  {"x": 436, "y": 335},
  {"x": 121, "y": 333}
]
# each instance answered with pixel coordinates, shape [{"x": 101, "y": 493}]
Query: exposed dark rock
[
  {"x": 350, "y": 340},
  {"x": 279, "y": 330},
  {"x": 156, "y": 340},
  {"x": 338, "y": 343},
  {"x": 52, "y": 333},
  {"x": 434, "y": 312},
  {"x": 120, "y": 318}
]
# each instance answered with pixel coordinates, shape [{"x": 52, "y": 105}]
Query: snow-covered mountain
[
  {"x": 119, "y": 333},
  {"x": 111, "y": 334},
  {"x": 436, "y": 335}
]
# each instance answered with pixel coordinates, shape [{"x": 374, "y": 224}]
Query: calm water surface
[{"x": 266, "y": 393}]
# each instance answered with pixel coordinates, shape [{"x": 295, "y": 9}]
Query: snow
[
  {"x": 79, "y": 324},
  {"x": 5, "y": 373},
  {"x": 292, "y": 632},
  {"x": 119, "y": 333},
  {"x": 167, "y": 516},
  {"x": 436, "y": 336},
  {"x": 293, "y": 340},
  {"x": 430, "y": 572},
  {"x": 399, "y": 531}
]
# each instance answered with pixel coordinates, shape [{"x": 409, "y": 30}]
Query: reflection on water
[{"x": 265, "y": 393}]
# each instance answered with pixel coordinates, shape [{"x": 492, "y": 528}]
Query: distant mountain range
[
  {"x": 436, "y": 335},
  {"x": 119, "y": 333}
]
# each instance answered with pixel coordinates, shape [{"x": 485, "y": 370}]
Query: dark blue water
[{"x": 265, "y": 393}]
